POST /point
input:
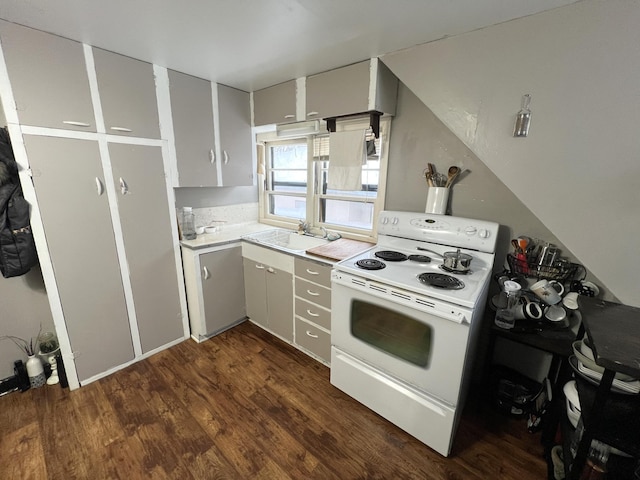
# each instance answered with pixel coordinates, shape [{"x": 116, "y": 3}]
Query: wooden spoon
[{"x": 451, "y": 175}]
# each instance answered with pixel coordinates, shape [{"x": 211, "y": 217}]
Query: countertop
[
  {"x": 228, "y": 234},
  {"x": 235, "y": 232}
]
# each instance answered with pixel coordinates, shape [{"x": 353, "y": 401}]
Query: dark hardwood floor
[{"x": 243, "y": 405}]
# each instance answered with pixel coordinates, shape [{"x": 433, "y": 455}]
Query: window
[{"x": 296, "y": 182}]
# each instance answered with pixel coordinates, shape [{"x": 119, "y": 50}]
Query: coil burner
[
  {"x": 370, "y": 264},
  {"x": 440, "y": 280},
  {"x": 419, "y": 258},
  {"x": 391, "y": 256}
]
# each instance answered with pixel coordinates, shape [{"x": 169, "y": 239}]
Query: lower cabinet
[
  {"x": 215, "y": 289},
  {"x": 290, "y": 297},
  {"x": 269, "y": 289},
  {"x": 109, "y": 240}
]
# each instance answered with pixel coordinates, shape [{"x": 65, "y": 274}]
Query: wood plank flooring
[{"x": 243, "y": 405}]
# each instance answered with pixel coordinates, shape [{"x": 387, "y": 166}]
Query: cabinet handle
[
  {"x": 259, "y": 266},
  {"x": 76, "y": 124},
  {"x": 312, "y": 114},
  {"x": 99, "y": 187},
  {"x": 311, "y": 314},
  {"x": 271, "y": 270},
  {"x": 207, "y": 275},
  {"x": 121, "y": 129},
  {"x": 312, "y": 335},
  {"x": 312, "y": 272},
  {"x": 289, "y": 116},
  {"x": 226, "y": 157},
  {"x": 212, "y": 156},
  {"x": 312, "y": 293},
  {"x": 124, "y": 188}
]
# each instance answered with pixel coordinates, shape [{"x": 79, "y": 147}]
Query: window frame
[{"x": 314, "y": 193}]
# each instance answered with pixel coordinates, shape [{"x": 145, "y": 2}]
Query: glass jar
[
  {"x": 188, "y": 224},
  {"x": 506, "y": 316}
]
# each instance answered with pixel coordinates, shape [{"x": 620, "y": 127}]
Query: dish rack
[{"x": 561, "y": 272}]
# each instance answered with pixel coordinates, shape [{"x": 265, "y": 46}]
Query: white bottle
[{"x": 506, "y": 317}]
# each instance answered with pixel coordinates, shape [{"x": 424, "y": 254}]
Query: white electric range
[{"x": 404, "y": 328}]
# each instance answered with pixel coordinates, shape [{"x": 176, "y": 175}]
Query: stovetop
[{"x": 417, "y": 229}]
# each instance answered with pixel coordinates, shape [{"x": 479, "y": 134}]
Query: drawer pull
[
  {"x": 259, "y": 266},
  {"x": 312, "y": 293},
  {"x": 312, "y": 272},
  {"x": 75, "y": 124},
  {"x": 207, "y": 275},
  {"x": 121, "y": 129},
  {"x": 289, "y": 116},
  {"x": 212, "y": 156},
  {"x": 312, "y": 335},
  {"x": 271, "y": 270},
  {"x": 311, "y": 314}
]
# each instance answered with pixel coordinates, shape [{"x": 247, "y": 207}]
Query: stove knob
[
  {"x": 484, "y": 233},
  {"x": 395, "y": 220},
  {"x": 470, "y": 231}
]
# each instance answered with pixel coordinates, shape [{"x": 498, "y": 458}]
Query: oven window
[{"x": 392, "y": 332}]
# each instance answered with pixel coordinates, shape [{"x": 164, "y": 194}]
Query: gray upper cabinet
[
  {"x": 48, "y": 77},
  {"x": 192, "y": 114},
  {"x": 127, "y": 95},
  {"x": 276, "y": 104},
  {"x": 234, "y": 120},
  {"x": 357, "y": 88}
]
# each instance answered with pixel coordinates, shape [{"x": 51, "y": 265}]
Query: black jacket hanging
[{"x": 17, "y": 246}]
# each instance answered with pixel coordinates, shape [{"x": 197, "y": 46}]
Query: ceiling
[{"x": 251, "y": 44}]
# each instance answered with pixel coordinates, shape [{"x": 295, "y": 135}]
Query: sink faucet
[{"x": 305, "y": 228}]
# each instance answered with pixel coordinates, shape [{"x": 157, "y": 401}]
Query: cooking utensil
[
  {"x": 430, "y": 173},
  {"x": 451, "y": 175},
  {"x": 454, "y": 261}
]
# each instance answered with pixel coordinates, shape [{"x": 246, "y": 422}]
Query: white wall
[{"x": 579, "y": 169}]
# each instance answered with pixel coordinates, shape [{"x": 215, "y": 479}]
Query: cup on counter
[
  {"x": 556, "y": 315},
  {"x": 528, "y": 311},
  {"x": 570, "y": 300},
  {"x": 550, "y": 292}
]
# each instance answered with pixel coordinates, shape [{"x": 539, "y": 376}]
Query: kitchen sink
[{"x": 287, "y": 240}]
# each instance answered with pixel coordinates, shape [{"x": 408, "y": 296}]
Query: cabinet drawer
[
  {"x": 313, "y": 339},
  {"x": 313, "y": 272},
  {"x": 313, "y": 293},
  {"x": 313, "y": 313}
]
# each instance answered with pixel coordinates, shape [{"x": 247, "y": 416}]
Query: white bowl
[{"x": 210, "y": 229}]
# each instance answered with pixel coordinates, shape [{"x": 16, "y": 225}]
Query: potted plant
[{"x": 35, "y": 370}]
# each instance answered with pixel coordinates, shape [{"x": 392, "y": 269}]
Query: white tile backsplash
[{"x": 231, "y": 214}]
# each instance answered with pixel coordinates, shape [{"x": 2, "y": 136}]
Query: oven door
[{"x": 422, "y": 346}]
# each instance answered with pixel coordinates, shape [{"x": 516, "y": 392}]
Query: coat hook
[{"x": 523, "y": 118}]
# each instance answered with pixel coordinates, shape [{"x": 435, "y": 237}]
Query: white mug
[
  {"x": 550, "y": 292},
  {"x": 570, "y": 300},
  {"x": 529, "y": 311}
]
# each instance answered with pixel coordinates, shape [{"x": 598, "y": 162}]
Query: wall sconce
[{"x": 523, "y": 118}]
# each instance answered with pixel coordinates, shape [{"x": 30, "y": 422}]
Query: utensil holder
[{"x": 437, "y": 200}]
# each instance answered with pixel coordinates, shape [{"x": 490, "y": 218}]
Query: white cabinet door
[
  {"x": 48, "y": 77},
  {"x": 234, "y": 119},
  {"x": 141, "y": 192},
  {"x": 192, "y": 115},
  {"x": 276, "y": 104},
  {"x": 127, "y": 95},
  {"x": 70, "y": 188}
]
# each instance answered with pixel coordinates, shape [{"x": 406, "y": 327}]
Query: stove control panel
[{"x": 443, "y": 229}]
